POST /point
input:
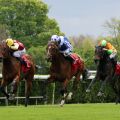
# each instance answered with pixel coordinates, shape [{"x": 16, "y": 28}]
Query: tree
[
  {"x": 39, "y": 55},
  {"x": 113, "y": 27},
  {"x": 27, "y": 21},
  {"x": 84, "y": 46},
  {"x": 4, "y": 33}
]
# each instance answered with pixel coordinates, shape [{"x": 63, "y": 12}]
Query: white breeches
[
  {"x": 66, "y": 52},
  {"x": 19, "y": 53},
  {"x": 113, "y": 55}
]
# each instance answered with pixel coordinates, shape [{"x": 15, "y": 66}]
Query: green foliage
[
  {"x": 4, "y": 32},
  {"x": 84, "y": 46},
  {"x": 39, "y": 55},
  {"x": 113, "y": 27},
  {"x": 27, "y": 21}
]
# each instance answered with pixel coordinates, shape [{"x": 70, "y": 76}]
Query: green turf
[{"x": 68, "y": 112}]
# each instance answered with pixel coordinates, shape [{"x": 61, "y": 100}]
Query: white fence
[{"x": 42, "y": 77}]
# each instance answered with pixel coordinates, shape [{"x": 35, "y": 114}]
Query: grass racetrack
[{"x": 108, "y": 111}]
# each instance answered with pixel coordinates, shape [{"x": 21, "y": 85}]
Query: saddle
[
  {"x": 69, "y": 58},
  {"x": 75, "y": 60}
]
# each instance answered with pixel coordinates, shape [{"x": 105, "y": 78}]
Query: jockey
[
  {"x": 65, "y": 46},
  {"x": 17, "y": 48},
  {"x": 110, "y": 50}
]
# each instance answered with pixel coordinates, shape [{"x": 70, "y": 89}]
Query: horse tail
[
  {"x": 85, "y": 74},
  {"x": 38, "y": 67}
]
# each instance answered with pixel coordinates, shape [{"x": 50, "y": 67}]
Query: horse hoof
[
  {"x": 100, "y": 94},
  {"x": 88, "y": 91},
  {"x": 11, "y": 97},
  {"x": 62, "y": 103}
]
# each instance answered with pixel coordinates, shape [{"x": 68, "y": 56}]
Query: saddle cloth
[
  {"x": 117, "y": 69},
  {"x": 77, "y": 64},
  {"x": 25, "y": 68}
]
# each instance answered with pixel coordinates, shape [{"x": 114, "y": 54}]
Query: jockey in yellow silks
[{"x": 17, "y": 48}]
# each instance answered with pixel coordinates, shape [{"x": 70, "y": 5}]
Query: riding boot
[
  {"x": 114, "y": 62},
  {"x": 69, "y": 58},
  {"x": 21, "y": 61}
]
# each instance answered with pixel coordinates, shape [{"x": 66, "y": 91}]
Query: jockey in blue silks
[{"x": 64, "y": 45}]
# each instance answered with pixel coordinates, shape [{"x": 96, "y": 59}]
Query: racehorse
[
  {"x": 106, "y": 72},
  {"x": 105, "y": 69},
  {"x": 62, "y": 69},
  {"x": 12, "y": 70},
  {"x": 116, "y": 82}
]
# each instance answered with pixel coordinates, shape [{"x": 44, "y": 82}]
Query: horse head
[
  {"x": 100, "y": 54},
  {"x": 52, "y": 50},
  {"x": 4, "y": 50}
]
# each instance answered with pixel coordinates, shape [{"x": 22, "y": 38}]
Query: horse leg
[
  {"x": 85, "y": 74},
  {"x": 75, "y": 86},
  {"x": 64, "y": 92},
  {"x": 100, "y": 93},
  {"x": 27, "y": 91},
  {"x": 14, "y": 86},
  {"x": 92, "y": 82},
  {"x": 90, "y": 85},
  {"x": 116, "y": 87},
  {"x": 2, "y": 88},
  {"x": 51, "y": 79}
]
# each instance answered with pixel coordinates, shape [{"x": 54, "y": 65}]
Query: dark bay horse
[
  {"x": 11, "y": 72},
  {"x": 105, "y": 69},
  {"x": 62, "y": 70},
  {"x": 106, "y": 72}
]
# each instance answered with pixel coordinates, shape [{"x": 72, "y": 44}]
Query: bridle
[{"x": 52, "y": 50}]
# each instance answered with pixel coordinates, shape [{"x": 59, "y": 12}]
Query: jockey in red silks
[
  {"x": 17, "y": 48},
  {"x": 64, "y": 45}
]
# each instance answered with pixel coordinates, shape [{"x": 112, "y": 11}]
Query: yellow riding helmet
[{"x": 9, "y": 42}]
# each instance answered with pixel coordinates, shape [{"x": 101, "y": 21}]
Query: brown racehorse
[
  {"x": 62, "y": 69},
  {"x": 11, "y": 72}
]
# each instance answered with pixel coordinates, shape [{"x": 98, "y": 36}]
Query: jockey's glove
[
  {"x": 65, "y": 54},
  {"x": 109, "y": 51},
  {"x": 14, "y": 47}
]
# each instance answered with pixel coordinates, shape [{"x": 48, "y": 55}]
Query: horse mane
[
  {"x": 52, "y": 42},
  {"x": 58, "y": 53}
]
